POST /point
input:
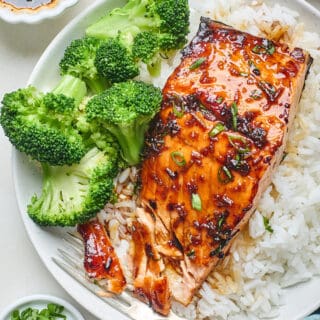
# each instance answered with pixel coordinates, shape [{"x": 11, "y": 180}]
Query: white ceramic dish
[
  {"x": 299, "y": 300},
  {"x": 39, "y": 302},
  {"x": 31, "y": 17}
]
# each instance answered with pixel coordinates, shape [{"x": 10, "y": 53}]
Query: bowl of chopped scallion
[{"x": 40, "y": 307}]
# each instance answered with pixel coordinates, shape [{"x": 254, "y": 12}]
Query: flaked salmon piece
[
  {"x": 149, "y": 285},
  {"x": 100, "y": 260},
  {"x": 212, "y": 149}
]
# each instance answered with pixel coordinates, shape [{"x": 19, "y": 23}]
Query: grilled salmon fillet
[{"x": 212, "y": 149}]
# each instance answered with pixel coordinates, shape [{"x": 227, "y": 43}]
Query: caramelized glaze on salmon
[
  {"x": 211, "y": 151},
  {"x": 101, "y": 261}
]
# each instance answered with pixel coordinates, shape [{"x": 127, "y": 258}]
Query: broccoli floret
[
  {"x": 42, "y": 125},
  {"x": 78, "y": 60},
  {"x": 125, "y": 109},
  {"x": 73, "y": 194},
  {"x": 115, "y": 62},
  {"x": 146, "y": 28}
]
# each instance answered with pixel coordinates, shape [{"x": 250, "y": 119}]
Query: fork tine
[
  {"x": 115, "y": 303},
  {"x": 71, "y": 261}
]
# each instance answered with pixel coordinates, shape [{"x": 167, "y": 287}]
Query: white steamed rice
[{"x": 249, "y": 282}]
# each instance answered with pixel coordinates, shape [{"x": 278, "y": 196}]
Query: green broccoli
[
  {"x": 43, "y": 125},
  {"x": 146, "y": 47},
  {"x": 144, "y": 28},
  {"x": 114, "y": 61},
  {"x": 74, "y": 194},
  {"x": 79, "y": 61},
  {"x": 126, "y": 109}
]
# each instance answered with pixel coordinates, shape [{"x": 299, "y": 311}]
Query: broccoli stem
[
  {"x": 154, "y": 68},
  {"x": 97, "y": 85},
  {"x": 72, "y": 87},
  {"x": 131, "y": 140},
  {"x": 130, "y": 17}
]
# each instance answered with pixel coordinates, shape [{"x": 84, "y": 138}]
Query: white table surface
[{"x": 21, "y": 270}]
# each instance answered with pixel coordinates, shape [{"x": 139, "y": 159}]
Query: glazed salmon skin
[
  {"x": 212, "y": 149},
  {"x": 100, "y": 259}
]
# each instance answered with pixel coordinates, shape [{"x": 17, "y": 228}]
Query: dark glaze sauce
[{"x": 27, "y": 4}]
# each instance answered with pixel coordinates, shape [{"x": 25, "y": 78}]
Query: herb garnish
[
  {"x": 239, "y": 143},
  {"x": 177, "y": 111},
  {"x": 267, "y": 48},
  {"x": 221, "y": 222},
  {"x": 191, "y": 253},
  {"x": 197, "y": 63},
  {"x": 219, "y": 127},
  {"x": 268, "y": 89},
  {"x": 234, "y": 112},
  {"x": 178, "y": 158},
  {"x": 219, "y": 99},
  {"x": 196, "y": 202},
  {"x": 256, "y": 94},
  {"x": 266, "y": 223},
  {"x": 254, "y": 68},
  {"x": 52, "y": 312},
  {"x": 224, "y": 175}
]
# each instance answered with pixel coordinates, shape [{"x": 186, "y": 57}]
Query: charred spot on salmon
[
  {"x": 153, "y": 204},
  {"x": 191, "y": 187},
  {"x": 223, "y": 200},
  {"x": 172, "y": 174},
  {"x": 176, "y": 243},
  {"x": 253, "y": 68},
  {"x": 270, "y": 90},
  {"x": 258, "y": 136},
  {"x": 298, "y": 54},
  {"x": 149, "y": 252}
]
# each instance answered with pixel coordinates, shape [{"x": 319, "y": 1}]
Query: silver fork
[{"x": 70, "y": 259}]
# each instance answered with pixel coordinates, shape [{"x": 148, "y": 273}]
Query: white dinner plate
[{"x": 299, "y": 300}]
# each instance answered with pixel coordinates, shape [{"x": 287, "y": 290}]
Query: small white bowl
[
  {"x": 40, "y": 301},
  {"x": 10, "y": 15}
]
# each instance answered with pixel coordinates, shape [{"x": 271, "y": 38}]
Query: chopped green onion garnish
[
  {"x": 267, "y": 226},
  {"x": 233, "y": 141},
  {"x": 197, "y": 63},
  {"x": 234, "y": 111},
  {"x": 191, "y": 253},
  {"x": 178, "y": 113},
  {"x": 196, "y": 202},
  {"x": 220, "y": 222},
  {"x": 52, "y": 312},
  {"x": 219, "y": 127},
  {"x": 256, "y": 94},
  {"x": 219, "y": 99},
  {"x": 224, "y": 175},
  {"x": 271, "y": 49},
  {"x": 244, "y": 74},
  {"x": 178, "y": 158},
  {"x": 262, "y": 49}
]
